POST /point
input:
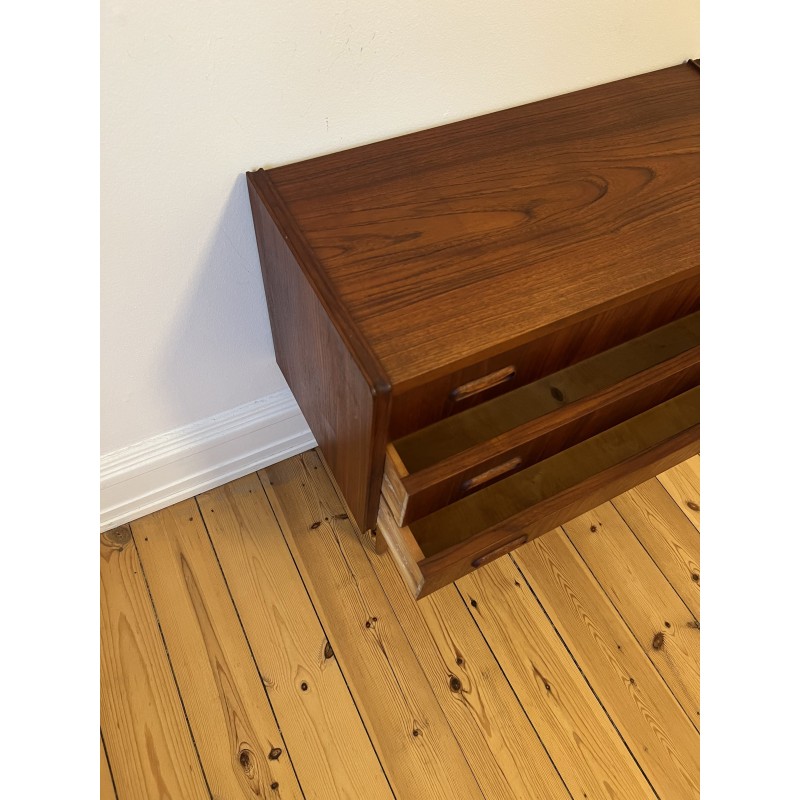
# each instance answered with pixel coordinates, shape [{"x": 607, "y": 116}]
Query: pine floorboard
[
  {"x": 410, "y": 732},
  {"x": 148, "y": 742},
  {"x": 659, "y": 620},
  {"x": 226, "y": 703},
  {"x": 254, "y": 645},
  {"x": 683, "y": 484},
  {"x": 669, "y": 537},
  {"x": 657, "y": 731},
  {"x": 322, "y": 728}
]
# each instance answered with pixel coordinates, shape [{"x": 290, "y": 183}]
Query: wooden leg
[{"x": 379, "y": 541}]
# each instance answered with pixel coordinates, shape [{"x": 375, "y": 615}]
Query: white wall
[{"x": 196, "y": 93}]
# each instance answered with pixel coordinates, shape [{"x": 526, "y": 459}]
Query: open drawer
[
  {"x": 442, "y": 463},
  {"x": 452, "y": 541}
]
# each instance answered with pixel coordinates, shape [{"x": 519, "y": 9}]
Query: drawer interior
[
  {"x": 444, "y": 462},
  {"x": 440, "y": 547}
]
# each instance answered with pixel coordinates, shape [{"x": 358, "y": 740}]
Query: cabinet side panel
[{"x": 331, "y": 390}]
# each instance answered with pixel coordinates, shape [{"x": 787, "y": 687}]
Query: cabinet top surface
[{"x": 453, "y": 242}]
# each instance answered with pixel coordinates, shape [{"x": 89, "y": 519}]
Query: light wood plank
[
  {"x": 662, "y": 624},
  {"x": 683, "y": 483},
  {"x": 226, "y": 704},
  {"x": 644, "y": 711},
  {"x": 106, "y": 783},
  {"x": 321, "y": 726},
  {"x": 147, "y": 739},
  {"x": 405, "y": 723},
  {"x": 484, "y": 714},
  {"x": 667, "y": 535},
  {"x": 587, "y": 751}
]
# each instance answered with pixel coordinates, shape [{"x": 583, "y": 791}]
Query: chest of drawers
[{"x": 493, "y": 326}]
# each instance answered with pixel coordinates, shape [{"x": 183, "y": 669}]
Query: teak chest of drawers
[{"x": 493, "y": 326}]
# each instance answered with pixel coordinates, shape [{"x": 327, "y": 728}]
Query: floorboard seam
[
  {"x": 513, "y": 690},
  {"x": 644, "y": 547},
  {"x": 402, "y": 631},
  {"x": 356, "y": 533},
  {"x": 108, "y": 761},
  {"x": 583, "y": 675},
  {"x": 325, "y": 633},
  {"x": 249, "y": 648},
  {"x": 677, "y": 504},
  {"x": 169, "y": 661},
  {"x": 630, "y": 630}
]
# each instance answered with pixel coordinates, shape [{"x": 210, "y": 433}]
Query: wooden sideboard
[{"x": 493, "y": 325}]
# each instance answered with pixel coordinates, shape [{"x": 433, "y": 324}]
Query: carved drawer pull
[
  {"x": 500, "y": 551},
  {"x": 482, "y": 384},
  {"x": 490, "y": 474}
]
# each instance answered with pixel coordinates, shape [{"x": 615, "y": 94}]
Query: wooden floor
[{"x": 254, "y": 646}]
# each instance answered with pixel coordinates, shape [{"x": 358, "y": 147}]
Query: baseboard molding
[{"x": 168, "y": 468}]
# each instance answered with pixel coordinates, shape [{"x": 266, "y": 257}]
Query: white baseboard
[{"x": 168, "y": 468}]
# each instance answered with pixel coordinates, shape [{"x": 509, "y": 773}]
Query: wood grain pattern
[
  {"x": 448, "y": 437},
  {"x": 572, "y": 476},
  {"x": 587, "y": 751},
  {"x": 319, "y": 722},
  {"x": 662, "y": 624},
  {"x": 405, "y": 229},
  {"x": 402, "y": 545},
  {"x": 430, "y": 399},
  {"x": 667, "y": 535},
  {"x": 545, "y": 435},
  {"x": 106, "y": 782},
  {"x": 530, "y": 503},
  {"x": 660, "y": 735},
  {"x": 485, "y": 716},
  {"x": 683, "y": 483},
  {"x": 146, "y": 736},
  {"x": 225, "y": 700},
  {"x": 393, "y": 492},
  {"x": 443, "y": 567},
  {"x": 343, "y": 395},
  {"x": 692, "y": 467},
  {"x": 405, "y": 723},
  {"x": 508, "y": 698},
  {"x": 415, "y": 278}
]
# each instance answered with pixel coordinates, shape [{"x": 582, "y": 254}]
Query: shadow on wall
[{"x": 219, "y": 354}]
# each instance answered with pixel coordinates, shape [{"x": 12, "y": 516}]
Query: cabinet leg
[{"x": 379, "y": 541}]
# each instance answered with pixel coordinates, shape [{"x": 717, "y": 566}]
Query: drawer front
[
  {"x": 443, "y": 463},
  {"x": 438, "y": 549},
  {"x": 466, "y": 386}
]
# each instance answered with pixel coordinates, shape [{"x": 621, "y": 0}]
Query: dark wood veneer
[
  {"x": 475, "y": 233},
  {"x": 412, "y": 279},
  {"x": 556, "y": 349},
  {"x": 344, "y": 404},
  {"x": 449, "y": 480},
  {"x": 446, "y": 544}
]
